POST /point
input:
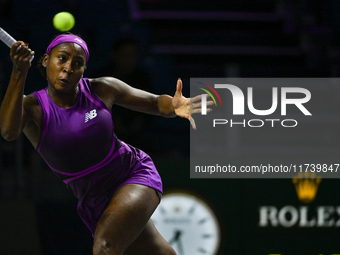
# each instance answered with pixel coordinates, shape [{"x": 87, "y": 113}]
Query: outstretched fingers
[
  {"x": 192, "y": 122},
  {"x": 196, "y": 104},
  {"x": 179, "y": 87},
  {"x": 196, "y": 107},
  {"x": 185, "y": 107}
]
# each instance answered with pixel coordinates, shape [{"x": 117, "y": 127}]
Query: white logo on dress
[{"x": 90, "y": 115}]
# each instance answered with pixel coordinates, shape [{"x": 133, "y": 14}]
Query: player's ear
[{"x": 45, "y": 58}]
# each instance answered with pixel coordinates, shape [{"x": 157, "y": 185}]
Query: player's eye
[
  {"x": 62, "y": 57},
  {"x": 79, "y": 63}
]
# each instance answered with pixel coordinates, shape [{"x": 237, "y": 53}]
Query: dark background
[{"x": 258, "y": 38}]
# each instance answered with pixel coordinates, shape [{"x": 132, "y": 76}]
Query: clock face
[{"x": 188, "y": 224}]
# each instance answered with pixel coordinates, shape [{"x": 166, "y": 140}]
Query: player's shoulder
[
  {"x": 31, "y": 104},
  {"x": 108, "y": 89},
  {"x": 108, "y": 84},
  {"x": 30, "y": 100},
  {"x": 104, "y": 81}
]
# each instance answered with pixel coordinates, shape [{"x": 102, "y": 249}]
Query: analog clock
[{"x": 188, "y": 224}]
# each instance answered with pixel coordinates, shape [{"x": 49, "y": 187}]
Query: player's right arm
[{"x": 16, "y": 107}]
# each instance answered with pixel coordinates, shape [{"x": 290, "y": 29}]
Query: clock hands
[
  {"x": 177, "y": 239},
  {"x": 180, "y": 247},
  {"x": 189, "y": 224}
]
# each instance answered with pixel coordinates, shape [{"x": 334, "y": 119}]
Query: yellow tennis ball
[{"x": 63, "y": 21}]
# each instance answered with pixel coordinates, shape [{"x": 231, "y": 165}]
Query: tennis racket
[{"x": 9, "y": 40}]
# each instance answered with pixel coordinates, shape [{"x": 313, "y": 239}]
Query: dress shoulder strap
[
  {"x": 87, "y": 90},
  {"x": 42, "y": 98}
]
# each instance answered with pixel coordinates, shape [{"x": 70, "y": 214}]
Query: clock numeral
[
  {"x": 192, "y": 209},
  {"x": 201, "y": 250},
  {"x": 162, "y": 210},
  {"x": 207, "y": 236},
  {"x": 202, "y": 221}
]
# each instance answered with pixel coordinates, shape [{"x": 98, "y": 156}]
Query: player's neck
[{"x": 62, "y": 99}]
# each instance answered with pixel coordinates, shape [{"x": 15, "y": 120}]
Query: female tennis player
[{"x": 70, "y": 125}]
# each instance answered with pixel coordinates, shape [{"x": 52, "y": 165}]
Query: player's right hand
[{"x": 21, "y": 55}]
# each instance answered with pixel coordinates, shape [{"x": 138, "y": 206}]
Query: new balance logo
[{"x": 90, "y": 115}]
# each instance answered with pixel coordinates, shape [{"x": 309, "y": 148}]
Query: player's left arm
[{"x": 114, "y": 91}]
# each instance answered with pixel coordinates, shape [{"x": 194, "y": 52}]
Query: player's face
[{"x": 65, "y": 66}]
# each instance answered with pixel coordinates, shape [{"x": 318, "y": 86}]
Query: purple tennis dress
[{"x": 79, "y": 144}]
